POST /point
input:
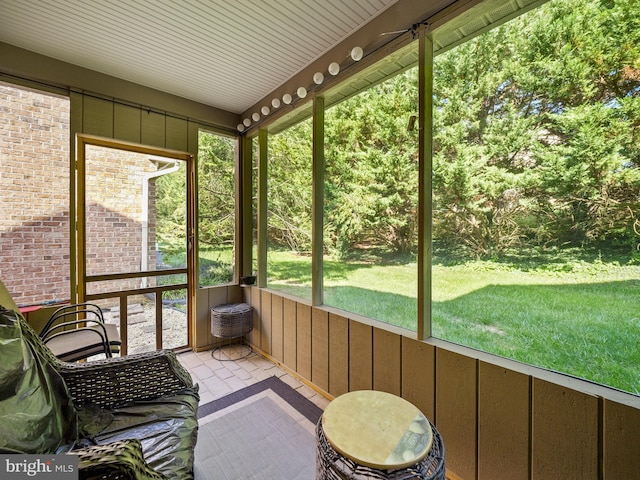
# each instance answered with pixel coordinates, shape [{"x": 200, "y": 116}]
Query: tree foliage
[
  {"x": 216, "y": 197},
  {"x": 371, "y": 187},
  {"x": 216, "y": 190},
  {"x": 536, "y": 131},
  {"x": 536, "y": 143},
  {"x": 289, "y": 188},
  {"x": 171, "y": 210}
]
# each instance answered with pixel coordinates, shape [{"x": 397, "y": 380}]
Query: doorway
[{"x": 135, "y": 240}]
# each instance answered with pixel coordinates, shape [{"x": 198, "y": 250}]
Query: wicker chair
[{"x": 133, "y": 417}]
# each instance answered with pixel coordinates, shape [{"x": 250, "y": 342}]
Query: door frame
[{"x": 79, "y": 238}]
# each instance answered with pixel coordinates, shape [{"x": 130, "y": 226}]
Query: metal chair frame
[{"x": 87, "y": 321}]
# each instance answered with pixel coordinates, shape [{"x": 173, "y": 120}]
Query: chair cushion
[
  {"x": 73, "y": 345},
  {"x": 36, "y": 412},
  {"x": 166, "y": 427}
]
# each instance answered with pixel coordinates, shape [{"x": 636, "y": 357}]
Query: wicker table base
[{"x": 331, "y": 465}]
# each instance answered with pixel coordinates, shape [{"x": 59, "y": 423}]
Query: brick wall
[
  {"x": 115, "y": 181},
  {"x": 34, "y": 186},
  {"x": 34, "y": 195}
]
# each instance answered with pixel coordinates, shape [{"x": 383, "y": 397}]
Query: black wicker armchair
[{"x": 132, "y": 417}]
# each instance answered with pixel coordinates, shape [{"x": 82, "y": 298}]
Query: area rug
[{"x": 263, "y": 432}]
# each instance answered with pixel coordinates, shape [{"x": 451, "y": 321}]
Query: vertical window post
[
  {"x": 425, "y": 210},
  {"x": 246, "y": 231},
  {"x": 262, "y": 208},
  {"x": 317, "y": 222}
]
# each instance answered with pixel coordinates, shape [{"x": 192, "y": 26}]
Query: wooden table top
[{"x": 377, "y": 429}]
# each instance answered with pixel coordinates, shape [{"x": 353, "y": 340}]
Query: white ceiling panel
[{"x": 223, "y": 53}]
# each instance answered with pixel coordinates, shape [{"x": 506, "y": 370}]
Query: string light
[{"x": 356, "y": 54}]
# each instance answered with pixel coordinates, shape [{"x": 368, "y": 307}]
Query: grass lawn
[{"x": 577, "y": 317}]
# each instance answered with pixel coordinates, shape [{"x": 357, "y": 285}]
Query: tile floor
[{"x": 218, "y": 378}]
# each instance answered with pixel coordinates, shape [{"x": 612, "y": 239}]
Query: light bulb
[
  {"x": 240, "y": 127},
  {"x": 246, "y": 122},
  {"x": 275, "y": 103},
  {"x": 302, "y": 92},
  {"x": 265, "y": 110},
  {"x": 255, "y": 116},
  {"x": 334, "y": 68},
  {"x": 286, "y": 98},
  {"x": 357, "y": 53},
  {"x": 318, "y": 78}
]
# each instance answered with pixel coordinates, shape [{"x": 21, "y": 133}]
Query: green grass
[
  {"x": 579, "y": 323},
  {"x": 569, "y": 314},
  {"x": 215, "y": 264}
]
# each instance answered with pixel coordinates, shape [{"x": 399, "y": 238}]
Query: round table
[{"x": 371, "y": 434}]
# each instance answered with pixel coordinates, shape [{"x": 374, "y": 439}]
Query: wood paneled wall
[
  {"x": 207, "y": 298},
  {"x": 106, "y": 118},
  {"x": 497, "y": 422}
]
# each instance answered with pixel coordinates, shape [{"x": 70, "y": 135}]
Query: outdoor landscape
[{"x": 535, "y": 196}]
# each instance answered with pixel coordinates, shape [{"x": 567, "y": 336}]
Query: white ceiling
[{"x": 225, "y": 53}]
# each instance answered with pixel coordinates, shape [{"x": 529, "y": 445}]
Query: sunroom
[{"x": 436, "y": 200}]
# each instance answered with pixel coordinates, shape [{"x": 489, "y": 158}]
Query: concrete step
[{"x": 135, "y": 314}]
